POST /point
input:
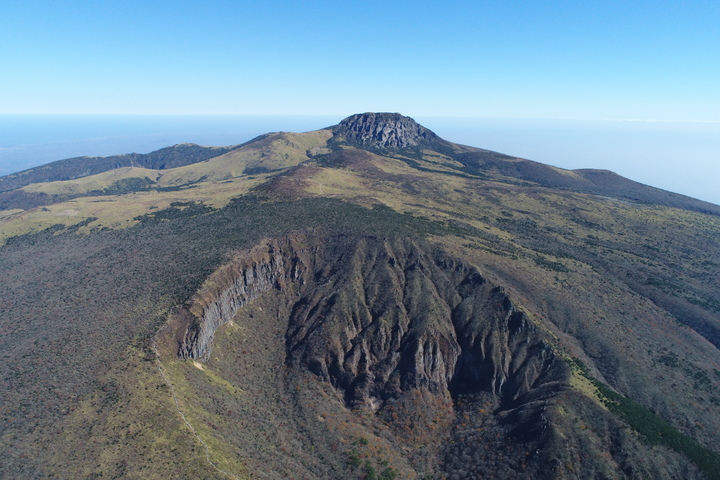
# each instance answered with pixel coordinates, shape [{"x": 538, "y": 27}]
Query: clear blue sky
[{"x": 648, "y": 60}]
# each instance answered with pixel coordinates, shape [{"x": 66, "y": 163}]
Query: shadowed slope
[{"x": 396, "y": 343}]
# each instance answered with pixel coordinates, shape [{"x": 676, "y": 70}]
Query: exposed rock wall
[
  {"x": 268, "y": 266},
  {"x": 384, "y": 131},
  {"x": 393, "y": 317},
  {"x": 377, "y": 317},
  {"x": 441, "y": 356}
]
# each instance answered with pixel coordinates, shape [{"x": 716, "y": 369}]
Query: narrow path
[{"x": 177, "y": 407}]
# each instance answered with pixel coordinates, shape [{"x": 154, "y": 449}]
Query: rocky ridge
[
  {"x": 376, "y": 318},
  {"x": 232, "y": 287},
  {"x": 394, "y": 325}
]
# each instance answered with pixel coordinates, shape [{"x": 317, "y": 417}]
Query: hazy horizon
[{"x": 674, "y": 156}]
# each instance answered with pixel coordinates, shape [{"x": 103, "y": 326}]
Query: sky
[
  {"x": 595, "y": 59},
  {"x": 654, "y": 62}
]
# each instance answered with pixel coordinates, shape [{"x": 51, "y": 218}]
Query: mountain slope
[
  {"x": 367, "y": 299},
  {"x": 599, "y": 182},
  {"x": 72, "y": 168}
]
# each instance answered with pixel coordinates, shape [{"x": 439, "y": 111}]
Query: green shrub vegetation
[{"x": 652, "y": 427}]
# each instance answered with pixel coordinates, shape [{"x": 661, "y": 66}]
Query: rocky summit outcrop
[{"x": 387, "y": 131}]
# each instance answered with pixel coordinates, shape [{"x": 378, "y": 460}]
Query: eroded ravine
[
  {"x": 345, "y": 339},
  {"x": 376, "y": 318},
  {"x": 381, "y": 321}
]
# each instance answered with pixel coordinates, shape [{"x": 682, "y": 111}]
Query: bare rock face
[
  {"x": 389, "y": 317},
  {"x": 377, "y": 318},
  {"x": 387, "y": 131},
  {"x": 269, "y": 266},
  {"x": 396, "y": 336}
]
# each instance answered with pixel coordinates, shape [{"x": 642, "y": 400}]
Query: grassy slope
[
  {"x": 221, "y": 179},
  {"x": 93, "y": 182},
  {"x": 129, "y": 416},
  {"x": 75, "y": 168}
]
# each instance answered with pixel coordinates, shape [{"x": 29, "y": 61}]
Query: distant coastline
[{"x": 682, "y": 157}]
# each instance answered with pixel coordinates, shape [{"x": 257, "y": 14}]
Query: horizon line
[{"x": 629, "y": 120}]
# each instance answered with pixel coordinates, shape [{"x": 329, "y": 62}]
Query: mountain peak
[{"x": 390, "y": 131}]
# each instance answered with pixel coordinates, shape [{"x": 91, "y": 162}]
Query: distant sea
[{"x": 682, "y": 157}]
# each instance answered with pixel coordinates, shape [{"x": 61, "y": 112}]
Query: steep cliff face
[
  {"x": 389, "y": 317},
  {"x": 376, "y": 318},
  {"x": 398, "y": 344},
  {"x": 390, "y": 131},
  {"x": 269, "y": 266}
]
